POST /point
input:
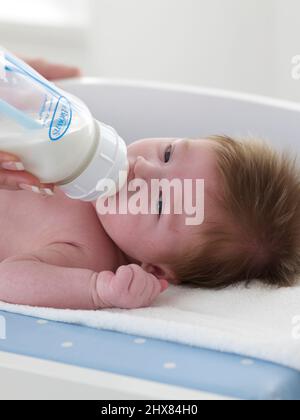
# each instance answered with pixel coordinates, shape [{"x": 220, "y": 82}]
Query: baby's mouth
[{"x": 130, "y": 174}]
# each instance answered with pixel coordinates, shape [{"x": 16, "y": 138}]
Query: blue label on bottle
[{"x": 61, "y": 120}]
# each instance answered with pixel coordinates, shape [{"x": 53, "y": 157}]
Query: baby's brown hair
[{"x": 260, "y": 236}]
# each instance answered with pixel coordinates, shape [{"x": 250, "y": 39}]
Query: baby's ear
[{"x": 159, "y": 271}]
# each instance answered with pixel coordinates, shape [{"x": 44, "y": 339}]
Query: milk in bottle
[{"x": 55, "y": 135}]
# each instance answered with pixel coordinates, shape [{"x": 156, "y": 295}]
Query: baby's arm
[{"x": 45, "y": 279}]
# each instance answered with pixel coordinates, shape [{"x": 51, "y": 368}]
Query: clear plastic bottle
[{"x": 55, "y": 135}]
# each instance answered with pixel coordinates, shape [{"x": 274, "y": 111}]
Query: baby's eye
[
  {"x": 160, "y": 204},
  {"x": 168, "y": 153}
]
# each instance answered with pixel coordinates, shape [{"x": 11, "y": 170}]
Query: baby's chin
[
  {"x": 115, "y": 227},
  {"x": 106, "y": 221}
]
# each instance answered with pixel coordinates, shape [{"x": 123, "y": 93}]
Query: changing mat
[{"x": 257, "y": 321}]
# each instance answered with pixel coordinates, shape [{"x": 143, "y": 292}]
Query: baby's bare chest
[{"x": 29, "y": 222}]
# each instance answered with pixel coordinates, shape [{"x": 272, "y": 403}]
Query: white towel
[{"x": 257, "y": 322}]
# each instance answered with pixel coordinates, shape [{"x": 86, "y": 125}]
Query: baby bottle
[{"x": 55, "y": 135}]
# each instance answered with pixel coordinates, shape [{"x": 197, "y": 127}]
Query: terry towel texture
[{"x": 258, "y": 321}]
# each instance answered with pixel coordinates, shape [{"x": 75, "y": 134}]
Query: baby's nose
[{"x": 144, "y": 169}]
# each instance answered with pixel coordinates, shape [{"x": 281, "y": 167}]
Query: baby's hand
[{"x": 130, "y": 288}]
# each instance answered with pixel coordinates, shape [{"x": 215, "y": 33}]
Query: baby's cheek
[{"x": 153, "y": 249}]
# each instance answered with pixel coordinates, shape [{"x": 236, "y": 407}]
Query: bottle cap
[{"x": 106, "y": 173}]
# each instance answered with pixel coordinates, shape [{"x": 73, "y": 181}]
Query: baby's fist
[{"x": 130, "y": 288}]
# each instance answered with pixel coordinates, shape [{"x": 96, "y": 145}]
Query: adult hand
[
  {"x": 14, "y": 177},
  {"x": 53, "y": 71},
  {"x": 12, "y": 172}
]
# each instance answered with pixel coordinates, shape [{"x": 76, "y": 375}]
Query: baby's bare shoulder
[
  {"x": 77, "y": 222},
  {"x": 32, "y": 222}
]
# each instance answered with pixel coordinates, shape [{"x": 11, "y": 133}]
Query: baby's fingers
[
  {"x": 152, "y": 290},
  {"x": 146, "y": 284},
  {"x": 123, "y": 279},
  {"x": 164, "y": 285}
]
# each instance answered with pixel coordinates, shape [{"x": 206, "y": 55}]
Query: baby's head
[{"x": 251, "y": 226}]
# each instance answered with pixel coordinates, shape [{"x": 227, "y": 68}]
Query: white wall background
[{"x": 244, "y": 45}]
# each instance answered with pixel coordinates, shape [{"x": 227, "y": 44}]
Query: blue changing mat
[{"x": 150, "y": 359}]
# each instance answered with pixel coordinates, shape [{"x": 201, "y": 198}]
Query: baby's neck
[
  {"x": 123, "y": 258},
  {"x": 126, "y": 259}
]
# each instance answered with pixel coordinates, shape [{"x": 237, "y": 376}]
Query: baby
[{"x": 60, "y": 253}]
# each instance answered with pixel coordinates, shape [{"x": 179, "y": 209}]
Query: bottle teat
[{"x": 108, "y": 170}]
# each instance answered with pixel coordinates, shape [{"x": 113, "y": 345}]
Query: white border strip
[{"x": 51, "y": 380}]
